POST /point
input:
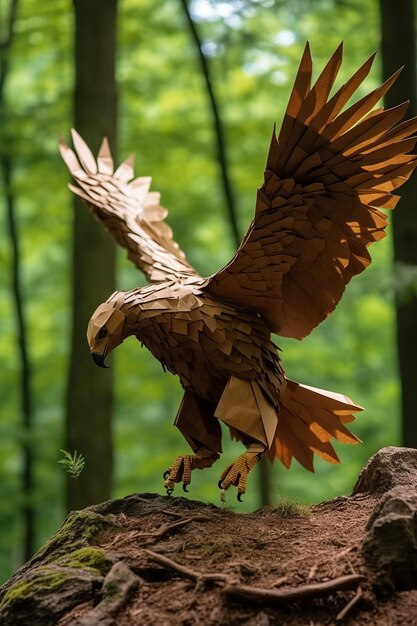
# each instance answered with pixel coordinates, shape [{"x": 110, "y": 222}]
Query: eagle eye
[{"x": 101, "y": 333}]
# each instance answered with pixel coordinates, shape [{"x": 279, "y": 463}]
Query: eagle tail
[{"x": 308, "y": 419}]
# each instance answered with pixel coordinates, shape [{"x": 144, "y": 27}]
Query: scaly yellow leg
[
  {"x": 237, "y": 473},
  {"x": 180, "y": 470}
]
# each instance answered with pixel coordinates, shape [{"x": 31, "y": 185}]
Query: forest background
[{"x": 252, "y": 48}]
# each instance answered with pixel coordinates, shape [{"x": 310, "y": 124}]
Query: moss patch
[
  {"x": 77, "y": 532},
  {"x": 43, "y": 580},
  {"x": 88, "y": 558}
]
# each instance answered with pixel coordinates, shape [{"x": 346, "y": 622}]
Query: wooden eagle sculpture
[{"x": 328, "y": 173}]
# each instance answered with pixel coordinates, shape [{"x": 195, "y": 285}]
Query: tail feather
[
  {"x": 309, "y": 418},
  {"x": 296, "y": 446},
  {"x": 321, "y": 446}
]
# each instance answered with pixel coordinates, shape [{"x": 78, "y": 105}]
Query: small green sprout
[{"x": 74, "y": 463}]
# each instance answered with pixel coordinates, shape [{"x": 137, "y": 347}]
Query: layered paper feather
[
  {"x": 328, "y": 174},
  {"x": 127, "y": 209}
]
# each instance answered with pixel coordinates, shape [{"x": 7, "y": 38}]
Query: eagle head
[{"x": 105, "y": 328}]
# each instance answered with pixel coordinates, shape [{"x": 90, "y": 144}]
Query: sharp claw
[
  {"x": 170, "y": 492},
  {"x": 239, "y": 496},
  {"x": 219, "y": 484},
  {"x": 166, "y": 474},
  {"x": 185, "y": 487}
]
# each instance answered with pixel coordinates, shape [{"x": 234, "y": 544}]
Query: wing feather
[
  {"x": 328, "y": 173},
  {"x": 127, "y": 209}
]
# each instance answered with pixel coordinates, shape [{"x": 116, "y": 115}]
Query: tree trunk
[
  {"x": 398, "y": 44},
  {"x": 89, "y": 394},
  {"x": 27, "y": 479}
]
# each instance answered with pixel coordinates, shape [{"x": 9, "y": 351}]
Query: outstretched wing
[
  {"x": 127, "y": 209},
  {"x": 327, "y": 176}
]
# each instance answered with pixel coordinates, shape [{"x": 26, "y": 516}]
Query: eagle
[{"x": 329, "y": 171}]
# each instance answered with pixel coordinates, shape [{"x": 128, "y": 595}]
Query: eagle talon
[
  {"x": 237, "y": 473},
  {"x": 180, "y": 471},
  {"x": 170, "y": 492},
  {"x": 219, "y": 484}
]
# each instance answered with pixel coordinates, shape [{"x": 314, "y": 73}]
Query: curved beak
[{"x": 99, "y": 359}]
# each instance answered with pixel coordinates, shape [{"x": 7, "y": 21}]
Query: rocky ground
[{"x": 161, "y": 561}]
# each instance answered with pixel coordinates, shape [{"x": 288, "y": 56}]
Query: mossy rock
[
  {"x": 43, "y": 579},
  {"x": 80, "y": 529},
  {"x": 46, "y": 593},
  {"x": 68, "y": 567}
]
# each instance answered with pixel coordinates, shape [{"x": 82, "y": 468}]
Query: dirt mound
[{"x": 161, "y": 561}]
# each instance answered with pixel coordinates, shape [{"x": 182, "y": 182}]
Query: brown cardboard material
[{"x": 328, "y": 173}]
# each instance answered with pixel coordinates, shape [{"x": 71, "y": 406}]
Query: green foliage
[
  {"x": 73, "y": 463},
  {"x": 164, "y": 118}
]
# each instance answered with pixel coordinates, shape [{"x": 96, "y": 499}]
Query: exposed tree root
[
  {"x": 187, "y": 572},
  {"x": 260, "y": 594},
  {"x": 302, "y": 592},
  {"x": 167, "y": 529}
]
